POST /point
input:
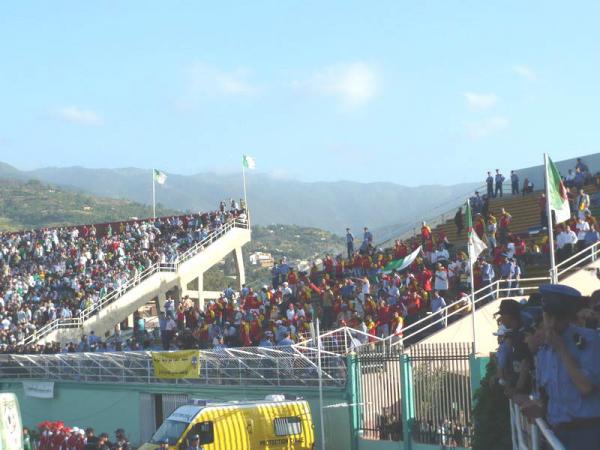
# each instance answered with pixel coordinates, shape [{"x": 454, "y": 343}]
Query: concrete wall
[
  {"x": 585, "y": 280},
  {"x": 536, "y": 173},
  {"x": 462, "y": 330},
  {"x": 108, "y": 407}
]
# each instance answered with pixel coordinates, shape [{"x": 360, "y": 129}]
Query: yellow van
[{"x": 273, "y": 423}]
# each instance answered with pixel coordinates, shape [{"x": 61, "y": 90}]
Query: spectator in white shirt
[
  {"x": 565, "y": 242},
  {"x": 582, "y": 228},
  {"x": 441, "y": 279}
]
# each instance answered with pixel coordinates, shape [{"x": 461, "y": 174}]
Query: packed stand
[
  {"x": 548, "y": 361},
  {"x": 355, "y": 290},
  {"x": 55, "y": 273}
]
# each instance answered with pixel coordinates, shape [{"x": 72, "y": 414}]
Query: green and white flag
[
  {"x": 249, "y": 162},
  {"x": 476, "y": 245},
  {"x": 402, "y": 263},
  {"x": 559, "y": 201},
  {"x": 160, "y": 177}
]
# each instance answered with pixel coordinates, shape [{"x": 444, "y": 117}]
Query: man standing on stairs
[
  {"x": 503, "y": 226},
  {"x": 489, "y": 181},
  {"x": 499, "y": 182},
  {"x": 349, "y": 243},
  {"x": 514, "y": 182},
  {"x": 583, "y": 204}
]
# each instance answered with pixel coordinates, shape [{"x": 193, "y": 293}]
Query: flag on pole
[
  {"x": 249, "y": 162},
  {"x": 160, "y": 177},
  {"x": 559, "y": 202},
  {"x": 402, "y": 263},
  {"x": 476, "y": 245}
]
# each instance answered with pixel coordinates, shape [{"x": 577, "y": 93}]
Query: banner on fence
[
  {"x": 38, "y": 389},
  {"x": 181, "y": 364}
]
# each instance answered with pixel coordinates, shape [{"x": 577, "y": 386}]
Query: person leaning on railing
[{"x": 567, "y": 371}]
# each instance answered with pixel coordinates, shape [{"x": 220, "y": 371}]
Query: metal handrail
[
  {"x": 592, "y": 251},
  {"x": 131, "y": 283},
  {"x": 490, "y": 290},
  {"x": 533, "y": 431}
]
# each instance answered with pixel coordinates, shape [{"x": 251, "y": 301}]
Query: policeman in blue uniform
[
  {"x": 194, "y": 443},
  {"x": 568, "y": 371}
]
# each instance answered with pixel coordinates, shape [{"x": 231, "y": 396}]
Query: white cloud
[
  {"x": 525, "y": 72},
  {"x": 211, "y": 81},
  {"x": 486, "y": 127},
  {"x": 480, "y": 102},
  {"x": 80, "y": 116},
  {"x": 353, "y": 84}
]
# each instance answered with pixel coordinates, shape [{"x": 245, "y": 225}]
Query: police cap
[
  {"x": 509, "y": 307},
  {"x": 559, "y": 299}
]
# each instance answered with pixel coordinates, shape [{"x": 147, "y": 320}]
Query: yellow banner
[{"x": 181, "y": 364}]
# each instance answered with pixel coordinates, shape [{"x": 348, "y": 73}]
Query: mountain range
[{"x": 387, "y": 208}]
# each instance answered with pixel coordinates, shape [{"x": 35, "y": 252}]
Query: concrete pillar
[
  {"x": 239, "y": 262},
  {"x": 200, "y": 287}
]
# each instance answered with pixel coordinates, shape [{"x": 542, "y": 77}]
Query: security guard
[
  {"x": 568, "y": 371},
  {"x": 195, "y": 443}
]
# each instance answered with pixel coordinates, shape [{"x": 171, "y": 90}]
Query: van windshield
[{"x": 171, "y": 430}]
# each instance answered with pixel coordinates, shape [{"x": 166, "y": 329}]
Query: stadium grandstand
[{"x": 387, "y": 313}]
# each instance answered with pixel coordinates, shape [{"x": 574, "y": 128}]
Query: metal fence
[
  {"x": 380, "y": 392},
  {"x": 442, "y": 394},
  {"x": 296, "y": 365}
]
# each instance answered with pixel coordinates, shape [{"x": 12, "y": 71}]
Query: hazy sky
[{"x": 410, "y": 92}]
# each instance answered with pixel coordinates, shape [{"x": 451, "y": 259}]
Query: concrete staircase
[{"x": 152, "y": 284}]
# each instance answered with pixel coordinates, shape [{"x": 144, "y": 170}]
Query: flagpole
[
  {"x": 245, "y": 194},
  {"x": 553, "y": 277},
  {"x": 470, "y": 249},
  {"x": 153, "y": 196}
]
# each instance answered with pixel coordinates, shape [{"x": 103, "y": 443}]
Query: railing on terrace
[
  {"x": 531, "y": 435},
  {"x": 460, "y": 309},
  {"x": 579, "y": 259},
  {"x": 294, "y": 365},
  {"x": 77, "y": 322}
]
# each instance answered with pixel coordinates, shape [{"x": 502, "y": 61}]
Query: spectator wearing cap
[
  {"x": 499, "y": 181},
  {"x": 568, "y": 371},
  {"x": 349, "y": 243},
  {"x": 507, "y": 272},
  {"x": 514, "y": 182},
  {"x": 195, "y": 443},
  {"x": 509, "y": 315},
  {"x": 489, "y": 181},
  {"x": 487, "y": 276}
]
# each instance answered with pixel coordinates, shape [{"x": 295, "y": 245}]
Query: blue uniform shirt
[
  {"x": 565, "y": 402},
  {"x": 503, "y": 355}
]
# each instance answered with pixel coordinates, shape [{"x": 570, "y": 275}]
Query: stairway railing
[{"x": 77, "y": 322}]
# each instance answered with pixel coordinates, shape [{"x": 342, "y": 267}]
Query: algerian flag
[
  {"x": 476, "y": 245},
  {"x": 402, "y": 263},
  {"x": 249, "y": 162},
  {"x": 160, "y": 177},
  {"x": 557, "y": 193}
]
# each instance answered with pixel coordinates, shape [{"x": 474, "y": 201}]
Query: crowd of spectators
[
  {"x": 54, "y": 273},
  {"x": 351, "y": 290},
  {"x": 549, "y": 361},
  {"x": 58, "y": 436}
]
